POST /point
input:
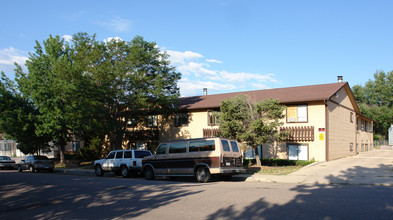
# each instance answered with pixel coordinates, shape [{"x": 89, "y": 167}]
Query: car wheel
[
  {"x": 31, "y": 168},
  {"x": 50, "y": 170},
  {"x": 202, "y": 174},
  {"x": 124, "y": 171},
  {"x": 98, "y": 170},
  {"x": 149, "y": 173},
  {"x": 20, "y": 169}
]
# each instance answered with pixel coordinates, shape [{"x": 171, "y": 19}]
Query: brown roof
[{"x": 284, "y": 95}]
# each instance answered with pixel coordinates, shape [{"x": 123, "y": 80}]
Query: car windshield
[
  {"x": 40, "y": 158},
  {"x": 4, "y": 158}
]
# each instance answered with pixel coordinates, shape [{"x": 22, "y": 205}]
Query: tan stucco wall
[
  {"x": 316, "y": 148},
  {"x": 194, "y": 129},
  {"x": 341, "y": 131}
]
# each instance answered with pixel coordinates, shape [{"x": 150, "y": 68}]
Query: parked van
[{"x": 200, "y": 157}]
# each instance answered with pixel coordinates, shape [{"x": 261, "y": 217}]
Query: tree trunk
[
  {"x": 62, "y": 155},
  {"x": 258, "y": 160}
]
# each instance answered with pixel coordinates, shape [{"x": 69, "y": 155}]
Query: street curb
[{"x": 78, "y": 172}]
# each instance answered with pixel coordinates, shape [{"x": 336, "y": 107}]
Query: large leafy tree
[
  {"x": 18, "y": 119},
  {"x": 375, "y": 100},
  {"x": 255, "y": 124},
  {"x": 90, "y": 89}
]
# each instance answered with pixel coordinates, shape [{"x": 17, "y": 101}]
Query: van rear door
[{"x": 231, "y": 155}]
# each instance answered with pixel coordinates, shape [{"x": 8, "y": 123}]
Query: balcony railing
[
  {"x": 299, "y": 133},
  {"x": 211, "y": 132}
]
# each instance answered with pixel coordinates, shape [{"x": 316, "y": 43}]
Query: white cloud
[
  {"x": 200, "y": 75},
  {"x": 117, "y": 24},
  {"x": 195, "y": 87},
  {"x": 67, "y": 37},
  {"x": 213, "y": 61},
  {"x": 242, "y": 77},
  {"x": 195, "y": 68},
  {"x": 117, "y": 39},
  {"x": 8, "y": 56},
  {"x": 177, "y": 57}
]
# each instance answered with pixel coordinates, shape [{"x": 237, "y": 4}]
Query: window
[
  {"x": 132, "y": 122},
  {"x": 152, "y": 121},
  {"x": 75, "y": 146},
  {"x": 141, "y": 153},
  {"x": 127, "y": 154},
  {"x": 202, "y": 146},
  {"x": 181, "y": 119},
  {"x": 235, "y": 148},
  {"x": 161, "y": 149},
  {"x": 225, "y": 145},
  {"x": 351, "y": 117},
  {"x": 297, "y": 113},
  {"x": 211, "y": 118},
  {"x": 119, "y": 155},
  {"x": 370, "y": 127},
  {"x": 351, "y": 146},
  {"x": 362, "y": 124},
  {"x": 111, "y": 155},
  {"x": 180, "y": 147}
]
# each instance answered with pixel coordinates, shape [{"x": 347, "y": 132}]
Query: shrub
[
  {"x": 92, "y": 151},
  {"x": 282, "y": 162}
]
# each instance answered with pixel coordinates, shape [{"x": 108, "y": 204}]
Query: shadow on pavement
[{"x": 328, "y": 201}]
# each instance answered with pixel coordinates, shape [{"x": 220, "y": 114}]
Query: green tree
[
  {"x": 255, "y": 124},
  {"x": 90, "y": 89},
  {"x": 18, "y": 119},
  {"x": 376, "y": 101}
]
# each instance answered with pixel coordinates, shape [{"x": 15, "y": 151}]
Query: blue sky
[{"x": 225, "y": 46}]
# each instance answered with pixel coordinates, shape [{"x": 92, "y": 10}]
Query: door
[
  {"x": 108, "y": 164},
  {"x": 118, "y": 160},
  {"x": 297, "y": 152},
  {"x": 159, "y": 162}
]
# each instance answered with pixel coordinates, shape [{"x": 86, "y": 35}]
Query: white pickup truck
[{"x": 122, "y": 162}]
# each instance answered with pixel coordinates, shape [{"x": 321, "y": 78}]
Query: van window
[
  {"x": 161, "y": 149},
  {"x": 235, "y": 148},
  {"x": 225, "y": 145},
  {"x": 142, "y": 153},
  {"x": 202, "y": 146},
  {"x": 127, "y": 154},
  {"x": 179, "y": 147}
]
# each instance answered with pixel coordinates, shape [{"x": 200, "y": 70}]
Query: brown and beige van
[{"x": 200, "y": 157}]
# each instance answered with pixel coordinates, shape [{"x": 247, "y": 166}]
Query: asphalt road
[{"x": 56, "y": 196}]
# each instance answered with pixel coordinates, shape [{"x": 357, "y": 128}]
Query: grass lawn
[{"x": 273, "y": 170}]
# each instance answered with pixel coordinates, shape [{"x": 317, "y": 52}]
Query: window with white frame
[
  {"x": 297, "y": 113},
  {"x": 211, "y": 118},
  {"x": 152, "y": 121}
]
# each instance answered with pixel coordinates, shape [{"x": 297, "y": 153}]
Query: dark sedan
[
  {"x": 36, "y": 163},
  {"x": 6, "y": 163}
]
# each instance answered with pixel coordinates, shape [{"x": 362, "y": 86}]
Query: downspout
[{"x": 326, "y": 130}]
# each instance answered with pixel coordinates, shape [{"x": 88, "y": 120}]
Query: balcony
[
  {"x": 299, "y": 133},
  {"x": 211, "y": 132}
]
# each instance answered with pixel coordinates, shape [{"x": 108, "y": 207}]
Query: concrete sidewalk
[{"x": 367, "y": 168}]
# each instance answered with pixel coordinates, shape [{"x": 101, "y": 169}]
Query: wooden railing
[
  {"x": 299, "y": 133},
  {"x": 211, "y": 132}
]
